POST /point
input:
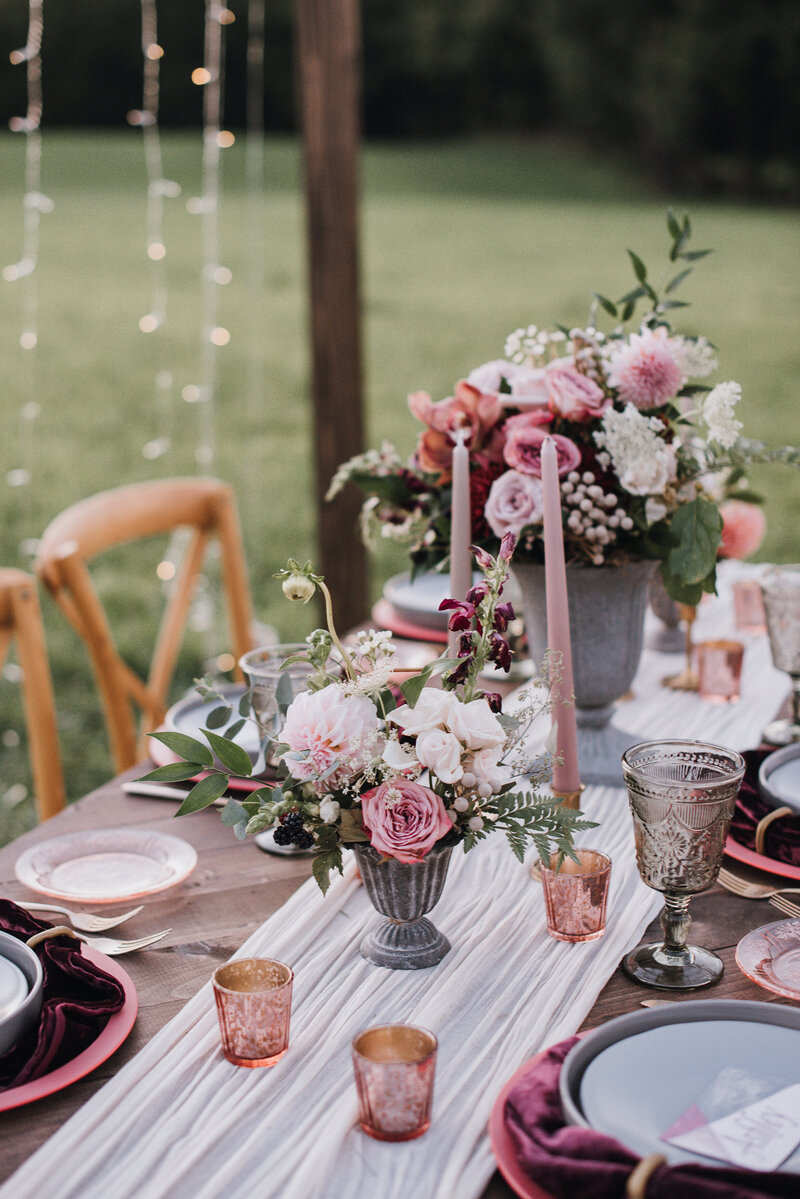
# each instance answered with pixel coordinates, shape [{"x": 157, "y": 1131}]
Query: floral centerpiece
[
  {"x": 647, "y": 450},
  {"x": 402, "y": 774}
]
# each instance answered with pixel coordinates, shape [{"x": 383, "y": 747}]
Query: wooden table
[{"x": 231, "y": 892}]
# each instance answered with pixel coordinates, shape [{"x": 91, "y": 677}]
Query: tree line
[{"x": 697, "y": 93}]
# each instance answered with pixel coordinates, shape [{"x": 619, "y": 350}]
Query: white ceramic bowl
[{"x": 17, "y": 1022}]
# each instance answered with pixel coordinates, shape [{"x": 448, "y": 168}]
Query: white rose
[
  {"x": 654, "y": 510},
  {"x": 329, "y": 811},
  {"x": 488, "y": 771},
  {"x": 430, "y": 712},
  {"x": 396, "y": 756},
  {"x": 441, "y": 753},
  {"x": 650, "y": 474},
  {"x": 476, "y": 725},
  {"x": 488, "y": 377}
]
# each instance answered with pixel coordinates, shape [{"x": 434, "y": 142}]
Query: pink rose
[
  {"x": 743, "y": 529},
  {"x": 574, "y": 396},
  {"x": 329, "y": 728},
  {"x": 515, "y": 501},
  {"x": 523, "y": 448},
  {"x": 404, "y": 820},
  {"x": 529, "y": 387}
]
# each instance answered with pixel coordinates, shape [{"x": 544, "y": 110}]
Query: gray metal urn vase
[
  {"x": 404, "y": 892},
  {"x": 607, "y": 607}
]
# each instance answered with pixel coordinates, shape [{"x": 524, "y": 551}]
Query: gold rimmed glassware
[{"x": 682, "y": 795}]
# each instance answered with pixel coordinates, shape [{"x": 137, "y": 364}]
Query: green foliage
[{"x": 697, "y": 527}]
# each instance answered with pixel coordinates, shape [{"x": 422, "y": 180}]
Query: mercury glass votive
[
  {"x": 394, "y": 1067},
  {"x": 719, "y": 670},
  {"x": 254, "y": 1004},
  {"x": 575, "y": 896}
]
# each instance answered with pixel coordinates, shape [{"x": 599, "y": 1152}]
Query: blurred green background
[{"x": 513, "y": 171}]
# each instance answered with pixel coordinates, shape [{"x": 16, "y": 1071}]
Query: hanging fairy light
[
  {"x": 158, "y": 189},
  {"x": 210, "y": 77},
  {"x": 35, "y": 205}
]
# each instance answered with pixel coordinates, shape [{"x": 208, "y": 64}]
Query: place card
[{"x": 746, "y": 1119}]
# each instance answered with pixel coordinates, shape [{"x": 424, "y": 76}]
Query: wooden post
[{"x": 328, "y": 44}]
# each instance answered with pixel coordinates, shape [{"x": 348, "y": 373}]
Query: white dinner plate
[
  {"x": 633, "y": 1077},
  {"x": 418, "y": 602},
  {"x": 779, "y": 778},
  {"x": 110, "y": 865},
  {"x": 190, "y": 715}
]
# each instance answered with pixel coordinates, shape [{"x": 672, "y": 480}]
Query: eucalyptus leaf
[
  {"x": 694, "y": 255},
  {"x": 672, "y": 224},
  {"x": 219, "y": 717},
  {"x": 639, "y": 269},
  {"x": 284, "y": 692},
  {"x": 244, "y": 704},
  {"x": 234, "y": 729},
  {"x": 609, "y": 306},
  {"x": 665, "y": 305},
  {"x": 231, "y": 755},
  {"x": 233, "y": 813},
  {"x": 187, "y": 747},
  {"x": 206, "y": 792},
  {"x": 697, "y": 526},
  {"x": 173, "y": 772},
  {"x": 677, "y": 280}
]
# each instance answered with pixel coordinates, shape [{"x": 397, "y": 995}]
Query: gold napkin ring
[
  {"x": 641, "y": 1175},
  {"x": 764, "y": 824}
]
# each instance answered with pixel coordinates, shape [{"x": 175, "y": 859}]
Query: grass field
[{"x": 461, "y": 243}]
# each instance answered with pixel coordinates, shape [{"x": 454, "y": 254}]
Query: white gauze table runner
[{"x": 179, "y": 1121}]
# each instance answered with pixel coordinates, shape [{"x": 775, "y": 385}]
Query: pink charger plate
[
  {"x": 749, "y": 857},
  {"x": 112, "y": 1036},
  {"x": 386, "y": 616}
]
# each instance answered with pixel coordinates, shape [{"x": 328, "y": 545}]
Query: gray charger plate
[{"x": 633, "y": 1077}]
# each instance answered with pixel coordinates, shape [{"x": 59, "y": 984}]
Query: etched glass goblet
[
  {"x": 682, "y": 795},
  {"x": 780, "y": 590}
]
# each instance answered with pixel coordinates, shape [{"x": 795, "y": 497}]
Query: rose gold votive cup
[
  {"x": 748, "y": 607},
  {"x": 394, "y": 1066},
  {"x": 254, "y": 1005},
  {"x": 719, "y": 670},
  {"x": 575, "y": 896}
]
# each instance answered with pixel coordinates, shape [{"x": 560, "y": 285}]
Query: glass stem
[
  {"x": 795, "y": 698},
  {"x": 675, "y": 921}
]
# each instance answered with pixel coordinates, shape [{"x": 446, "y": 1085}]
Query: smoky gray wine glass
[
  {"x": 682, "y": 795},
  {"x": 780, "y": 591}
]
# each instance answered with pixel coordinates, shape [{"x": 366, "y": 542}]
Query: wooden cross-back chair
[
  {"x": 21, "y": 621},
  {"x": 205, "y": 506}
]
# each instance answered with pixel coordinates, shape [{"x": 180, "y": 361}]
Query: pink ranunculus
[
  {"x": 644, "y": 370},
  {"x": 329, "y": 728},
  {"x": 515, "y": 501},
  {"x": 468, "y": 409},
  {"x": 574, "y": 396},
  {"x": 523, "y": 448},
  {"x": 404, "y": 820},
  {"x": 743, "y": 529}
]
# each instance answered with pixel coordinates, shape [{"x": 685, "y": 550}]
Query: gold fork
[
  {"x": 108, "y": 945},
  {"x": 752, "y": 890}
]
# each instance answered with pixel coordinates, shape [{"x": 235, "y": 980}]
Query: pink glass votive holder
[
  {"x": 748, "y": 607},
  {"x": 575, "y": 896},
  {"x": 394, "y": 1066},
  {"x": 719, "y": 670},
  {"x": 254, "y": 1005}
]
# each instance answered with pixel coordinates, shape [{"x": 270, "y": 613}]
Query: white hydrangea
[
  {"x": 643, "y": 462},
  {"x": 717, "y": 412},
  {"x": 695, "y": 356}
]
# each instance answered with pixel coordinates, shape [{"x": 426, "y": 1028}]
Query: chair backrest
[
  {"x": 21, "y": 620},
  {"x": 205, "y": 506}
]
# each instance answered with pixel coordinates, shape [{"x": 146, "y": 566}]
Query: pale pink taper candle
[
  {"x": 460, "y": 526},
  {"x": 566, "y": 777}
]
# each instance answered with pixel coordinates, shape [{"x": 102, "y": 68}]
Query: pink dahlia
[
  {"x": 330, "y": 731},
  {"x": 644, "y": 370}
]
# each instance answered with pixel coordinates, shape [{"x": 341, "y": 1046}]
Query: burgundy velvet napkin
[
  {"x": 79, "y": 998},
  {"x": 568, "y": 1161},
  {"x": 782, "y": 840}
]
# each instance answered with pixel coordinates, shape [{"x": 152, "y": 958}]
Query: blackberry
[
  {"x": 293, "y": 821},
  {"x": 303, "y": 839},
  {"x": 282, "y": 835}
]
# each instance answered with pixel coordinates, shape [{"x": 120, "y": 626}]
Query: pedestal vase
[{"x": 403, "y": 892}]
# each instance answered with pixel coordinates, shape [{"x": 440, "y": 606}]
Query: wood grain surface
[{"x": 231, "y": 892}]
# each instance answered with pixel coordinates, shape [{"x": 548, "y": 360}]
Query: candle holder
[{"x": 686, "y": 679}]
